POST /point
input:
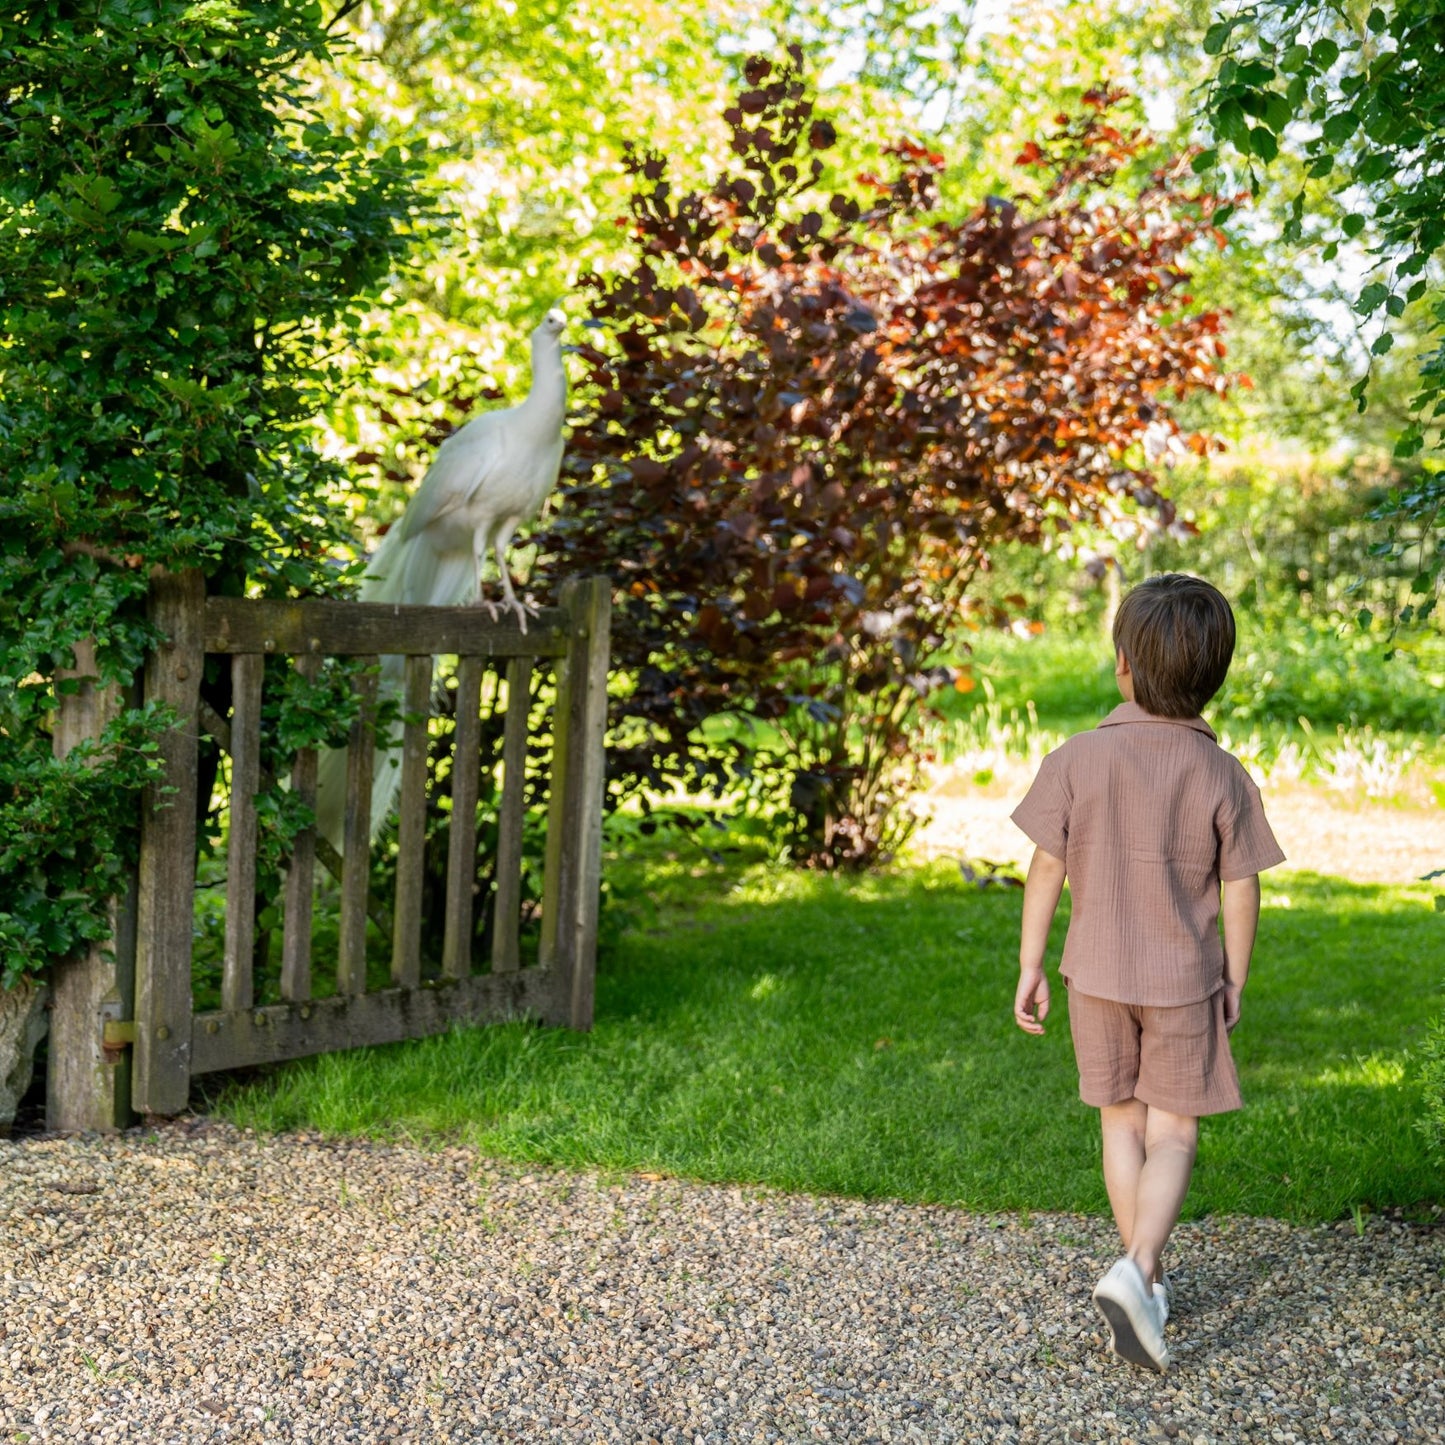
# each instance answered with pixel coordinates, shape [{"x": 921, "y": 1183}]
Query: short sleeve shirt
[{"x": 1148, "y": 815}]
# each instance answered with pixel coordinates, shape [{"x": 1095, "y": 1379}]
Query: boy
[{"x": 1148, "y": 816}]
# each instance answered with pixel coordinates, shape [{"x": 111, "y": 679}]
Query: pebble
[{"x": 196, "y": 1284}]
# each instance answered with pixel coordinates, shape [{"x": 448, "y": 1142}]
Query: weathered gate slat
[
  {"x": 342, "y": 629},
  {"x": 300, "y": 875},
  {"x": 462, "y": 840},
  {"x": 291, "y": 1031},
  {"x": 506, "y": 955},
  {"x": 246, "y": 674},
  {"x": 218, "y": 728},
  {"x": 356, "y": 837},
  {"x": 160, "y": 1082},
  {"x": 574, "y": 817},
  {"x": 411, "y": 833}
]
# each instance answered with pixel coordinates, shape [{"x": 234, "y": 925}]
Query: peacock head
[{"x": 554, "y": 323}]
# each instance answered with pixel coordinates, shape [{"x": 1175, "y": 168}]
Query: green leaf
[
  {"x": 1230, "y": 123},
  {"x": 1383, "y": 343},
  {"x": 1353, "y": 224},
  {"x": 1371, "y": 297},
  {"x": 1294, "y": 59},
  {"x": 1205, "y": 161},
  {"x": 1217, "y": 37},
  {"x": 1278, "y": 112},
  {"x": 1321, "y": 166},
  {"x": 1340, "y": 127},
  {"x": 1256, "y": 74},
  {"x": 1375, "y": 21},
  {"x": 1262, "y": 143},
  {"x": 1324, "y": 53},
  {"x": 1374, "y": 167},
  {"x": 1395, "y": 305},
  {"x": 1410, "y": 443}
]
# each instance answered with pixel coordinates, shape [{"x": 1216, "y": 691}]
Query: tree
[
  {"x": 178, "y": 239},
  {"x": 1371, "y": 82},
  {"x": 521, "y": 116},
  {"x": 812, "y": 411}
]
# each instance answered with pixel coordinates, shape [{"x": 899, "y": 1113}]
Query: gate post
[
  {"x": 86, "y": 1085},
  {"x": 161, "y": 1079},
  {"x": 574, "y": 817}
]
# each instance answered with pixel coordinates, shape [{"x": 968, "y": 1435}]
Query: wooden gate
[{"x": 170, "y": 1043}]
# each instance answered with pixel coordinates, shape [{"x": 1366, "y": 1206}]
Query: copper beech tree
[{"x": 809, "y": 413}]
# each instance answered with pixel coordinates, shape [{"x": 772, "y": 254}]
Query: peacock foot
[{"x": 522, "y": 609}]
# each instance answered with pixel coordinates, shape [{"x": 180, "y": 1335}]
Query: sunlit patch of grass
[{"x": 854, "y": 1036}]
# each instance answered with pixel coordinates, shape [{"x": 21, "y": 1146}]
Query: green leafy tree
[
  {"x": 1357, "y": 93},
  {"x": 179, "y": 239}
]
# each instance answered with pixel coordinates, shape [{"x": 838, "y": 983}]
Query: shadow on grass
[{"x": 855, "y": 1036}]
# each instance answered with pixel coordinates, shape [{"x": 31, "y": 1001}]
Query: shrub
[
  {"x": 812, "y": 412},
  {"x": 178, "y": 242}
]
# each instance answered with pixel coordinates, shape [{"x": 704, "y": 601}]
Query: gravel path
[{"x": 196, "y": 1284}]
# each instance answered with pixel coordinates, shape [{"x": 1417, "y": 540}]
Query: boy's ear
[{"x": 1121, "y": 664}]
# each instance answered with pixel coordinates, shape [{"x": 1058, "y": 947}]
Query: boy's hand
[
  {"x": 1031, "y": 1001},
  {"x": 1232, "y": 993}
]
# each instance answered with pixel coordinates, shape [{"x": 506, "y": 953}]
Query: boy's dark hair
[{"x": 1177, "y": 635}]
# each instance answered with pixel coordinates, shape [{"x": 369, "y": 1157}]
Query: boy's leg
[
  {"x": 1170, "y": 1141},
  {"x": 1123, "y": 1130}
]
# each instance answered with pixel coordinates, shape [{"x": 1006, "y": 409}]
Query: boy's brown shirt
[{"x": 1148, "y": 814}]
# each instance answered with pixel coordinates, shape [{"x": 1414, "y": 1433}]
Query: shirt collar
[{"x": 1131, "y": 712}]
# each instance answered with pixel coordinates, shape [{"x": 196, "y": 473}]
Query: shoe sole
[{"x": 1123, "y": 1339}]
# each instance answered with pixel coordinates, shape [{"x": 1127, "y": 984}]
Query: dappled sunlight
[{"x": 1372, "y": 1072}]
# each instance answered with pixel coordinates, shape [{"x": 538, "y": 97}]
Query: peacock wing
[{"x": 461, "y": 467}]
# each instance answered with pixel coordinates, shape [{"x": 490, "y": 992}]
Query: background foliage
[
  {"x": 812, "y": 412},
  {"x": 1369, "y": 83}
]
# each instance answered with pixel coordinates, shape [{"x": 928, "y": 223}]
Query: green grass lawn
[{"x": 854, "y": 1036}]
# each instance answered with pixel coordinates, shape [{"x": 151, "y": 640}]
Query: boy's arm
[
  {"x": 1240, "y": 911},
  {"x": 1042, "y": 888}
]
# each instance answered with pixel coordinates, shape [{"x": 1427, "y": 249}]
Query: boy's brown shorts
[{"x": 1174, "y": 1058}]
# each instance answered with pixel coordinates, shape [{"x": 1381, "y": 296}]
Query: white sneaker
[
  {"x": 1164, "y": 1298},
  {"x": 1129, "y": 1308}
]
